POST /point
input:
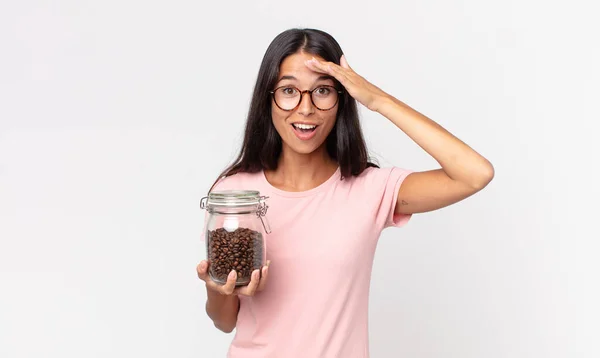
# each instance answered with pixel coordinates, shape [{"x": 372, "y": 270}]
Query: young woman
[{"x": 304, "y": 149}]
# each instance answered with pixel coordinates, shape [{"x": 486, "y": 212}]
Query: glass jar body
[{"x": 235, "y": 240}]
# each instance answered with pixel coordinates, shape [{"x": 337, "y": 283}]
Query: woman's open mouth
[{"x": 304, "y": 131}]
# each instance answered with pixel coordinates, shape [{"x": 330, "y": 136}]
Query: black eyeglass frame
[{"x": 310, "y": 92}]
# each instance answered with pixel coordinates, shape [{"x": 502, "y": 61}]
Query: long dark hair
[{"x": 262, "y": 144}]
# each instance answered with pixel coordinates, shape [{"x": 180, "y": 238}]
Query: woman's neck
[{"x": 301, "y": 172}]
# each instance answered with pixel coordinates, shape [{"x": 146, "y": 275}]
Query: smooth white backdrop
[{"x": 116, "y": 116}]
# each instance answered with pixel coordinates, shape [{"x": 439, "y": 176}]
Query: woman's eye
[
  {"x": 288, "y": 91},
  {"x": 323, "y": 91}
]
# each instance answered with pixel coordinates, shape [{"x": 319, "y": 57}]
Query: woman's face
[{"x": 305, "y": 128}]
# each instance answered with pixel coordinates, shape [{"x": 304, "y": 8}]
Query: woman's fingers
[
  {"x": 264, "y": 276},
  {"x": 202, "y": 270},
  {"x": 229, "y": 286},
  {"x": 342, "y": 74},
  {"x": 319, "y": 66},
  {"x": 226, "y": 289},
  {"x": 359, "y": 88},
  {"x": 251, "y": 287},
  {"x": 328, "y": 68},
  {"x": 257, "y": 281},
  {"x": 344, "y": 63}
]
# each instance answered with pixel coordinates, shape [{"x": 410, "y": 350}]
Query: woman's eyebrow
[
  {"x": 287, "y": 78},
  {"x": 324, "y": 77}
]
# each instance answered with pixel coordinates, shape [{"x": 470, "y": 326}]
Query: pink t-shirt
[{"x": 321, "y": 249}]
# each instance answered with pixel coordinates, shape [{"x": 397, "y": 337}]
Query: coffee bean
[{"x": 240, "y": 250}]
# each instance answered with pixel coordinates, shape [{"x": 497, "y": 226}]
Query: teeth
[{"x": 304, "y": 126}]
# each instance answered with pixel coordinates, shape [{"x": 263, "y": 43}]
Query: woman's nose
[{"x": 306, "y": 106}]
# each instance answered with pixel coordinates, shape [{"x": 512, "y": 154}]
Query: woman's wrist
[{"x": 222, "y": 309}]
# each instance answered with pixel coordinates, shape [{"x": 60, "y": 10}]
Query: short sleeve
[{"x": 392, "y": 180}]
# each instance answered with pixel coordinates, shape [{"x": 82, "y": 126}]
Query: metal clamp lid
[
  {"x": 230, "y": 198},
  {"x": 261, "y": 212},
  {"x": 233, "y": 198}
]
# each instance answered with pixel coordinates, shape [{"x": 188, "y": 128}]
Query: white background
[{"x": 116, "y": 116}]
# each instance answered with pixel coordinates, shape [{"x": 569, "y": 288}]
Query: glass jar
[{"x": 235, "y": 233}]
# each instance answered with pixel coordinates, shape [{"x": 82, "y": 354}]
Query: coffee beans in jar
[
  {"x": 240, "y": 250},
  {"x": 234, "y": 232}
]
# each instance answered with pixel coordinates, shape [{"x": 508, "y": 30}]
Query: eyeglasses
[{"x": 288, "y": 98}]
